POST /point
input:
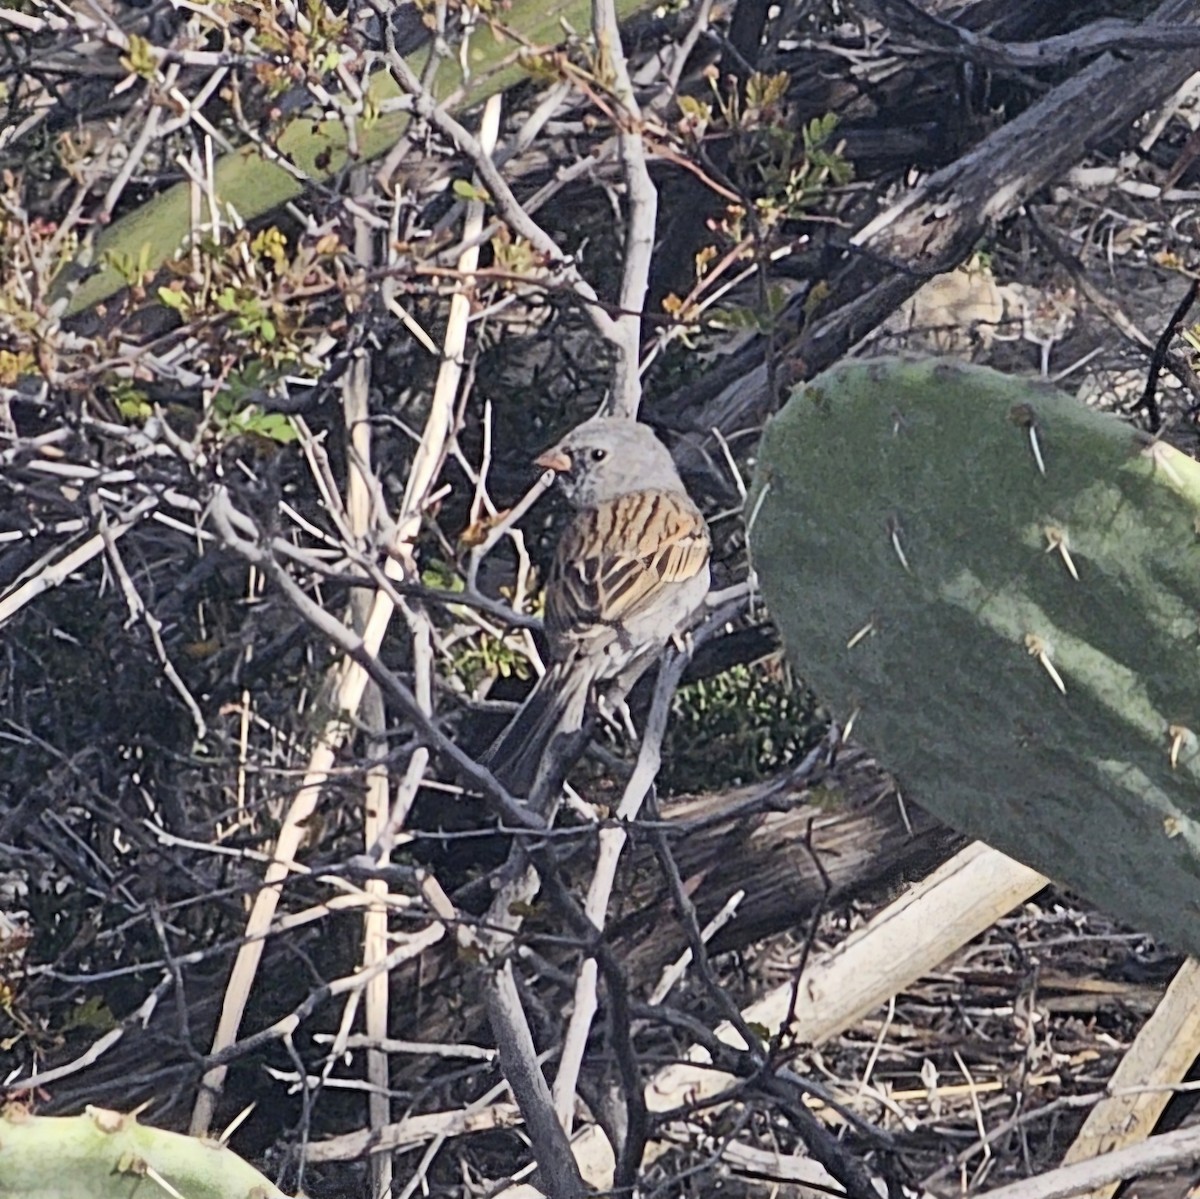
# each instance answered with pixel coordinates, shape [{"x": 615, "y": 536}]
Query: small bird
[{"x": 629, "y": 573}]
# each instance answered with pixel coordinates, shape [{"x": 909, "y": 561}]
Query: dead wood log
[
  {"x": 794, "y": 845},
  {"x": 916, "y": 110},
  {"x": 936, "y": 225},
  {"x": 842, "y": 834}
]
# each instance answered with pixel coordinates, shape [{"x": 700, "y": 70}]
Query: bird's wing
[{"x": 615, "y": 559}]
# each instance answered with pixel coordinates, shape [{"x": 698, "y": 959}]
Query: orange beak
[{"x": 554, "y": 460}]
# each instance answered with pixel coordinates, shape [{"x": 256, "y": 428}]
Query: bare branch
[
  {"x": 640, "y": 213},
  {"x": 499, "y": 192}
]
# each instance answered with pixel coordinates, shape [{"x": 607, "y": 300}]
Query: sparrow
[{"x": 629, "y": 574}]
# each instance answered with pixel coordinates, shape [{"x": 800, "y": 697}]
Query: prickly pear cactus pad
[
  {"x": 1003, "y": 587},
  {"x": 105, "y": 1155}
]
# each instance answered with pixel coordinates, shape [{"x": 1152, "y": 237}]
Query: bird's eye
[{"x": 599, "y": 455}]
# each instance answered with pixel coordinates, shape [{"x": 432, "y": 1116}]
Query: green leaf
[
  {"x": 134, "y": 407},
  {"x": 93, "y": 1014},
  {"x": 464, "y": 189},
  {"x": 172, "y": 298},
  {"x": 276, "y": 426}
]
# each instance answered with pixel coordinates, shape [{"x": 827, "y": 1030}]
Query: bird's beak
[{"x": 554, "y": 460}]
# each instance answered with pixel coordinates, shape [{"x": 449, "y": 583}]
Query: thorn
[
  {"x": 1041, "y": 651},
  {"x": 1159, "y": 453},
  {"x": 850, "y": 725},
  {"x": 236, "y": 1123},
  {"x": 1037, "y": 449},
  {"x": 1056, "y": 539},
  {"x": 159, "y": 1180},
  {"x": 865, "y": 631},
  {"x": 894, "y": 533},
  {"x": 1023, "y": 415},
  {"x": 758, "y": 503},
  {"x": 1180, "y": 735}
]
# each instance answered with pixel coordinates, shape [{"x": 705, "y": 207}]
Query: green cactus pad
[
  {"x": 105, "y": 1155},
  {"x": 917, "y": 528}
]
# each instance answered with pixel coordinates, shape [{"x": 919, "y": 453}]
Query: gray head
[{"x": 609, "y": 456}]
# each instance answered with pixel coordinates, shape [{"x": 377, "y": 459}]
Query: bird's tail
[{"x": 555, "y": 708}]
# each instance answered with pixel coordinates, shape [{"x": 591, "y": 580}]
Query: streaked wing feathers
[{"x": 614, "y": 559}]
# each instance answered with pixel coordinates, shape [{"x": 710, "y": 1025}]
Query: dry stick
[
  {"x": 375, "y": 928},
  {"x": 347, "y": 697},
  {"x": 111, "y": 33},
  {"x": 551, "y": 1148},
  {"x": 1049, "y": 1110},
  {"x": 1112, "y": 311},
  {"x": 939, "y": 220},
  {"x": 758, "y": 1165},
  {"x": 612, "y": 840},
  {"x": 1149, "y": 399},
  {"x": 420, "y": 1176},
  {"x": 411, "y": 947},
  {"x": 95, "y": 1051},
  {"x": 415, "y": 1130},
  {"x": 518, "y": 1054},
  {"x": 388, "y": 285},
  {"x": 507, "y": 1016},
  {"x": 471, "y": 1053},
  {"x": 510, "y": 1029},
  {"x": 414, "y": 946},
  {"x": 1153, "y": 1156},
  {"x": 665, "y": 96},
  {"x": 64, "y": 568},
  {"x": 138, "y": 151},
  {"x": 514, "y": 145},
  {"x": 676, "y": 970},
  {"x": 358, "y": 508},
  {"x": 522, "y": 1070},
  {"x": 494, "y": 534},
  {"x": 440, "y": 903},
  {"x": 641, "y": 213},
  {"x": 586, "y": 923},
  {"x": 1107, "y": 34},
  {"x": 1162, "y": 1052}
]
